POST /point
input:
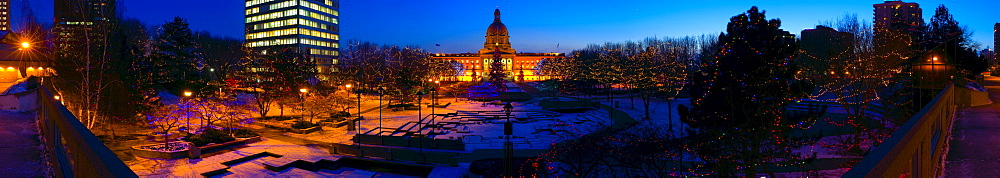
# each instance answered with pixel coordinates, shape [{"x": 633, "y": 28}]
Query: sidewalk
[
  {"x": 975, "y": 138},
  {"x": 20, "y": 141}
]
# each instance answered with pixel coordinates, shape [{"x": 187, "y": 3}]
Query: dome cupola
[
  {"x": 497, "y": 28},
  {"x": 496, "y": 37}
]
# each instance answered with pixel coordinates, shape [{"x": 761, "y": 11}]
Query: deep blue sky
[{"x": 539, "y": 25}]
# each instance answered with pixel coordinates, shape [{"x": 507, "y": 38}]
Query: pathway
[
  {"x": 975, "y": 136},
  {"x": 19, "y": 139}
]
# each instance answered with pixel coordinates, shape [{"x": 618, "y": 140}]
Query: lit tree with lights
[
  {"x": 871, "y": 89},
  {"x": 498, "y": 78},
  {"x": 276, "y": 75},
  {"x": 739, "y": 112},
  {"x": 401, "y": 71}
]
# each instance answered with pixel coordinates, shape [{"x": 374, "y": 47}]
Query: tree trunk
[
  {"x": 670, "y": 114},
  {"x": 645, "y": 103},
  {"x": 631, "y": 98}
]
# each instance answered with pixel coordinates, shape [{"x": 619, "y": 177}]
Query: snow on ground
[
  {"x": 660, "y": 113},
  {"x": 151, "y": 167},
  {"x": 147, "y": 167},
  {"x": 483, "y": 135},
  {"x": 18, "y": 86},
  {"x": 821, "y": 152}
]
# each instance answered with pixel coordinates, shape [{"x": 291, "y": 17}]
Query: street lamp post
[
  {"x": 380, "y": 92},
  {"x": 437, "y": 83},
  {"x": 433, "y": 105},
  {"x": 303, "y": 92},
  {"x": 357, "y": 130},
  {"x": 187, "y": 117},
  {"x": 508, "y": 130},
  {"x": 420, "y": 97}
]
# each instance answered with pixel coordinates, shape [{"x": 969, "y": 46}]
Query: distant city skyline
[{"x": 540, "y": 26}]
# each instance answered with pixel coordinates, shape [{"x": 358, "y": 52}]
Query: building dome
[
  {"x": 497, "y": 28},
  {"x": 497, "y": 38}
]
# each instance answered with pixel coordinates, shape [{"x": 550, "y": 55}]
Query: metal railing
[
  {"x": 917, "y": 148},
  {"x": 73, "y": 150}
]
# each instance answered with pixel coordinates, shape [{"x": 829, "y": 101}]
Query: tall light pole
[
  {"x": 508, "y": 130},
  {"x": 436, "y": 85},
  {"x": 187, "y": 117},
  {"x": 420, "y": 96},
  {"x": 303, "y": 92},
  {"x": 433, "y": 105},
  {"x": 357, "y": 130},
  {"x": 380, "y": 92}
]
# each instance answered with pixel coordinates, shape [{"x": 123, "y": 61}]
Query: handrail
[
  {"x": 918, "y": 147},
  {"x": 73, "y": 150}
]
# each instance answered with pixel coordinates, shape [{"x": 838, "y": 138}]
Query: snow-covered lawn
[
  {"x": 538, "y": 133},
  {"x": 151, "y": 167}
]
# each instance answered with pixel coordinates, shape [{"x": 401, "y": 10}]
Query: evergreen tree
[
  {"x": 739, "y": 111},
  {"x": 944, "y": 33},
  {"x": 177, "y": 63},
  {"x": 497, "y": 75}
]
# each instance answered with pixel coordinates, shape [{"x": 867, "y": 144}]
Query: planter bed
[
  {"x": 308, "y": 130},
  {"x": 147, "y": 153},
  {"x": 159, "y": 138}
]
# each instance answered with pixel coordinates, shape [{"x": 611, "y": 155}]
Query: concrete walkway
[
  {"x": 21, "y": 146},
  {"x": 975, "y": 140}
]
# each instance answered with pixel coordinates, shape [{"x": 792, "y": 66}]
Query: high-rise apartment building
[
  {"x": 75, "y": 20},
  {"x": 897, "y": 15},
  {"x": 988, "y": 55},
  {"x": 311, "y": 26},
  {"x": 824, "y": 51},
  {"x": 4, "y": 15},
  {"x": 893, "y": 22}
]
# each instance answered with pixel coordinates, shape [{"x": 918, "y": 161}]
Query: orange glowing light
[{"x": 25, "y": 45}]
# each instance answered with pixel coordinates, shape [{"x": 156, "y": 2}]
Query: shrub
[
  {"x": 402, "y": 105},
  {"x": 210, "y": 135},
  {"x": 340, "y": 114},
  {"x": 302, "y": 125},
  {"x": 278, "y": 118},
  {"x": 334, "y": 119},
  {"x": 244, "y": 133},
  {"x": 493, "y": 167}
]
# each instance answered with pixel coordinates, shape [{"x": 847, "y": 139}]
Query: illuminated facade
[
  {"x": 312, "y": 26},
  {"x": 15, "y": 63},
  {"x": 893, "y": 22},
  {"x": 519, "y": 67},
  {"x": 4, "y": 15},
  {"x": 74, "y": 18}
]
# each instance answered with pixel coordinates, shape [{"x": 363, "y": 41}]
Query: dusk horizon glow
[{"x": 541, "y": 26}]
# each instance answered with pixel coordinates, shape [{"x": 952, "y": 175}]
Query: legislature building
[{"x": 519, "y": 67}]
